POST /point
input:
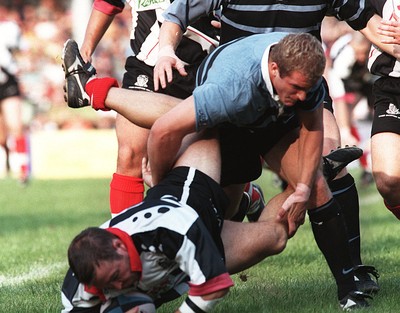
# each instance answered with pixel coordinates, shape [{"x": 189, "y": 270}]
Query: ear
[
  {"x": 119, "y": 245},
  {"x": 273, "y": 69}
]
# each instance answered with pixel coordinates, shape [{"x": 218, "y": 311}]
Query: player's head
[
  {"x": 300, "y": 52},
  {"x": 296, "y": 63},
  {"x": 101, "y": 259}
]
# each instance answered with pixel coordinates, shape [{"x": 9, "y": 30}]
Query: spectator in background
[
  {"x": 45, "y": 26},
  {"x": 351, "y": 82},
  {"x": 10, "y": 97}
]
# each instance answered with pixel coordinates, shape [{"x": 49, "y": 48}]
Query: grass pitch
[{"x": 38, "y": 222}]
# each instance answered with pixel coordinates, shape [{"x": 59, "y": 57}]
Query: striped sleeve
[{"x": 356, "y": 13}]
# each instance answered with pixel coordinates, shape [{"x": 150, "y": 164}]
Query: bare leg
[
  {"x": 246, "y": 244},
  {"x": 140, "y": 107},
  {"x": 385, "y": 149},
  {"x": 137, "y": 111},
  {"x": 17, "y": 141},
  {"x": 126, "y": 187}
]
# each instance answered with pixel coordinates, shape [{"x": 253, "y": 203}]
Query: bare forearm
[
  {"x": 166, "y": 137},
  {"x": 311, "y": 144},
  {"x": 162, "y": 150},
  {"x": 169, "y": 39},
  {"x": 96, "y": 28},
  {"x": 170, "y": 35}
]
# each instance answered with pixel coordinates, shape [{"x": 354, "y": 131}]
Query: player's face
[
  {"x": 291, "y": 88},
  {"x": 115, "y": 274}
]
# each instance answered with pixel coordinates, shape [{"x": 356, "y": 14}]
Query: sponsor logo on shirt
[{"x": 151, "y": 4}]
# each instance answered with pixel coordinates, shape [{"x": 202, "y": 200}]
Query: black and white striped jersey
[
  {"x": 176, "y": 243},
  {"x": 10, "y": 40},
  {"x": 381, "y": 63},
  {"x": 245, "y": 17},
  {"x": 199, "y": 39}
]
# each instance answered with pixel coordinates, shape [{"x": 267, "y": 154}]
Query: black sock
[
  {"x": 345, "y": 192},
  {"x": 331, "y": 237}
]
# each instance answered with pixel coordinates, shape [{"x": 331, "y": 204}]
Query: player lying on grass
[{"x": 166, "y": 246}]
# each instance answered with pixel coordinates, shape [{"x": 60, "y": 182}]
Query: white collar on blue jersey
[{"x": 265, "y": 72}]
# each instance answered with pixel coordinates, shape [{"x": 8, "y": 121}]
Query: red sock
[
  {"x": 394, "y": 209},
  {"x": 20, "y": 146},
  {"x": 97, "y": 89},
  {"x": 364, "y": 158},
  {"x": 125, "y": 191}
]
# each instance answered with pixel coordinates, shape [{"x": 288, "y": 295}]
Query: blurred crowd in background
[{"x": 45, "y": 26}]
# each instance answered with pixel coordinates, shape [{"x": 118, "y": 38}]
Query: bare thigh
[
  {"x": 385, "y": 150},
  {"x": 11, "y": 109}
]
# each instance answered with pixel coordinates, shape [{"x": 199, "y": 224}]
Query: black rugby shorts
[{"x": 387, "y": 106}]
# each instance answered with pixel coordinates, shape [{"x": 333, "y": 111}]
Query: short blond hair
[{"x": 300, "y": 52}]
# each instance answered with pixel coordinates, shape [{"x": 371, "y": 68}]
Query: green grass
[{"x": 38, "y": 222}]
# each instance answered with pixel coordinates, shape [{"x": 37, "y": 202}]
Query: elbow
[{"x": 157, "y": 134}]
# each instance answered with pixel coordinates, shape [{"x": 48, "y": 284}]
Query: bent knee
[
  {"x": 129, "y": 151},
  {"x": 388, "y": 186},
  {"x": 129, "y": 160}
]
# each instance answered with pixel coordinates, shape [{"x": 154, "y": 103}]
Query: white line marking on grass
[{"x": 36, "y": 272}]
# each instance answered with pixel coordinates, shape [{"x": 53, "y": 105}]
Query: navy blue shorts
[{"x": 242, "y": 149}]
